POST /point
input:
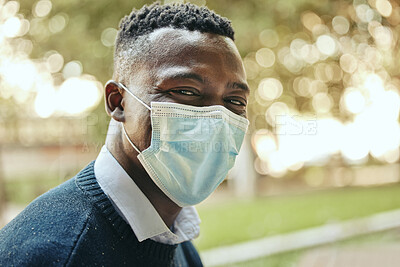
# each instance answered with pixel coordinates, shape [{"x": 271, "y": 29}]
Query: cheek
[
  {"x": 138, "y": 125},
  {"x": 147, "y": 135},
  {"x": 144, "y": 131}
]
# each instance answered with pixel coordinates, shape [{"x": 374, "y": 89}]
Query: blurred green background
[{"x": 323, "y": 143}]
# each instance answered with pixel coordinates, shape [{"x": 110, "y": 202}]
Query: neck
[{"x": 127, "y": 158}]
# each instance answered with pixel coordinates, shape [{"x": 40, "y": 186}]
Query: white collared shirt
[{"x": 136, "y": 209}]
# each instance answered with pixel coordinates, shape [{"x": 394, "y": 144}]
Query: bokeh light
[
  {"x": 383, "y": 7},
  {"x": 323, "y": 81},
  {"x": 265, "y": 57},
  {"x": 42, "y": 8},
  {"x": 44, "y": 85},
  {"x": 270, "y": 89},
  {"x": 338, "y": 87},
  {"x": 340, "y": 24},
  {"x": 108, "y": 37},
  {"x": 58, "y": 23}
]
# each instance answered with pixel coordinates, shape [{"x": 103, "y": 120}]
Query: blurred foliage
[
  {"x": 310, "y": 60},
  {"x": 81, "y": 37},
  {"x": 86, "y": 20}
]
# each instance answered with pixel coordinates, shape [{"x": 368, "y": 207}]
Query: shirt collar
[{"x": 136, "y": 209}]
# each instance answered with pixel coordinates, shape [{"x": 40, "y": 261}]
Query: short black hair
[{"x": 134, "y": 27}]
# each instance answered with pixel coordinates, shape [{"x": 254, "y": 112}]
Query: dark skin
[{"x": 185, "y": 67}]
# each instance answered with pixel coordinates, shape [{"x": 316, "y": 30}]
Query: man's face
[{"x": 189, "y": 68}]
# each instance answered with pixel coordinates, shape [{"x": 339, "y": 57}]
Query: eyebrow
[
  {"x": 197, "y": 77},
  {"x": 239, "y": 85},
  {"x": 186, "y": 75}
]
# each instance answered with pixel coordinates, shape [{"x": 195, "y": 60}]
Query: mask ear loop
[
  {"x": 129, "y": 140},
  {"x": 137, "y": 98},
  {"x": 123, "y": 127}
]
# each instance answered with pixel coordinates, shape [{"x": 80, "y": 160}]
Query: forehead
[
  {"x": 178, "y": 47},
  {"x": 173, "y": 40}
]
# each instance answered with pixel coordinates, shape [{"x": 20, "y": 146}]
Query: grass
[
  {"x": 238, "y": 221},
  {"x": 289, "y": 259}
]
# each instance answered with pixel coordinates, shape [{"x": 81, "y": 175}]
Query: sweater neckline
[{"x": 86, "y": 181}]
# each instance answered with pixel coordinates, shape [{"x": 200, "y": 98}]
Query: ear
[{"x": 113, "y": 101}]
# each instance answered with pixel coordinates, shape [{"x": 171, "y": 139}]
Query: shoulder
[
  {"x": 187, "y": 253},
  {"x": 45, "y": 232}
]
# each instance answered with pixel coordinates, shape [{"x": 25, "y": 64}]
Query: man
[{"x": 177, "y": 103}]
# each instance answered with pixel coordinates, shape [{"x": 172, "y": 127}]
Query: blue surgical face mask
[{"x": 192, "y": 148}]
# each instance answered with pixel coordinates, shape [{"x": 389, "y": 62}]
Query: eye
[
  {"x": 236, "y": 102},
  {"x": 186, "y": 92}
]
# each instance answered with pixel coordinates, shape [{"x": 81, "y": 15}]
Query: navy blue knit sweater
[{"x": 75, "y": 224}]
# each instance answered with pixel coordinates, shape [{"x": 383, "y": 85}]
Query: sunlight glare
[{"x": 78, "y": 94}]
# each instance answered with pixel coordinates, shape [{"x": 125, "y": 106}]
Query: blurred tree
[{"x": 303, "y": 57}]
